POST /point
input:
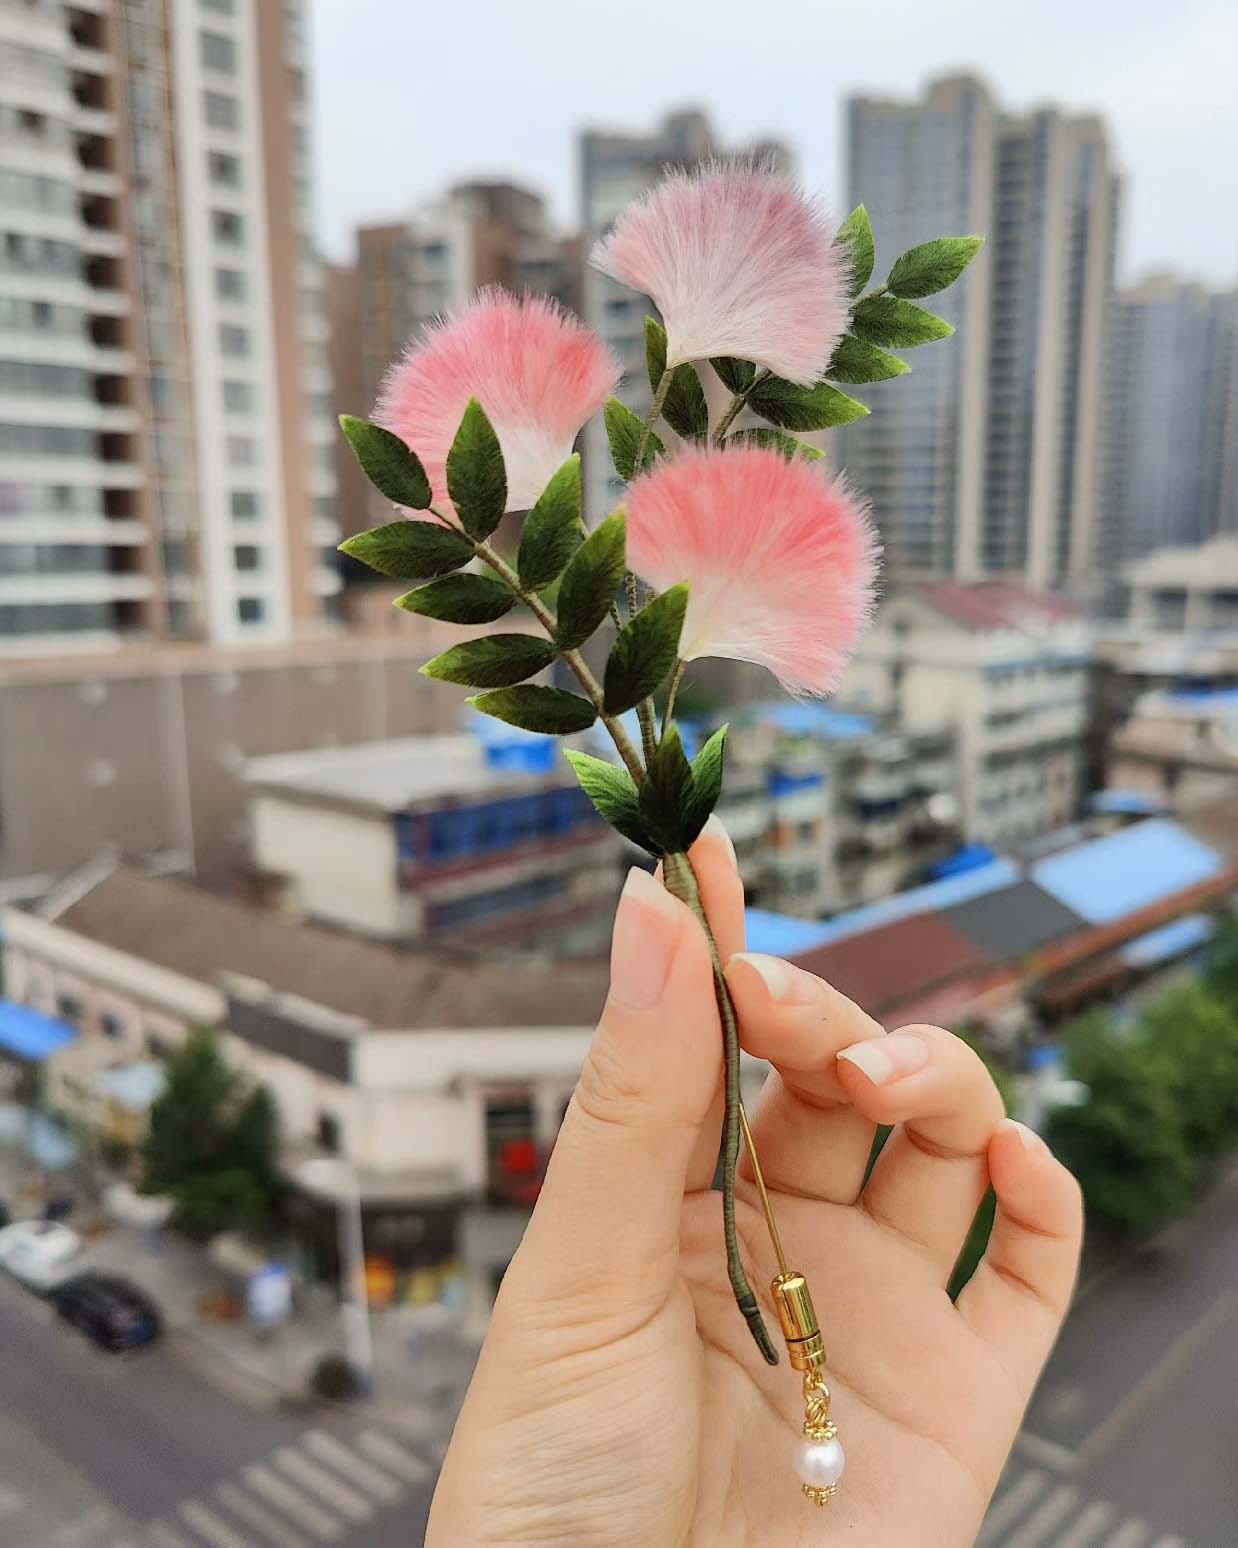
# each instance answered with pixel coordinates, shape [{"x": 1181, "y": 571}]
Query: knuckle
[{"x": 608, "y": 1091}]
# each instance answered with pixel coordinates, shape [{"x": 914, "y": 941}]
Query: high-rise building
[
  {"x": 614, "y": 170},
  {"x": 1169, "y": 418},
  {"x": 986, "y": 459},
  {"x": 166, "y": 455},
  {"x": 410, "y": 272}
]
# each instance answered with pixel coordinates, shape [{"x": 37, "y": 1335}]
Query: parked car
[
  {"x": 38, "y": 1252},
  {"x": 111, "y": 1312}
]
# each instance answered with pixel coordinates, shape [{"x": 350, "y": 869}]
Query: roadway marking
[
  {"x": 167, "y": 1536},
  {"x": 296, "y": 1505},
  {"x": 1155, "y": 1380},
  {"x": 1009, "y": 1506},
  {"x": 240, "y": 1504},
  {"x": 1089, "y": 1526},
  {"x": 1129, "y": 1536},
  {"x": 328, "y": 1449},
  {"x": 1047, "y": 1515},
  {"x": 347, "y": 1501},
  {"x": 400, "y": 1460},
  {"x": 207, "y": 1524}
]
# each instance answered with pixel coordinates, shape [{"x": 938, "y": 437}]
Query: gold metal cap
[{"x": 798, "y": 1321}]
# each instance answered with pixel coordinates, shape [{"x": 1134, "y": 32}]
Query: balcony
[
  {"x": 58, "y": 590},
  {"x": 73, "y": 529}
]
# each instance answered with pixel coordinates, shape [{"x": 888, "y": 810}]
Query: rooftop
[
  {"x": 996, "y": 604},
  {"x": 392, "y": 776},
  {"x": 186, "y": 930}
]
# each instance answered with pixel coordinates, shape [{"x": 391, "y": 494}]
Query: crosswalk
[
  {"x": 1033, "y": 1509},
  {"x": 308, "y": 1494}
]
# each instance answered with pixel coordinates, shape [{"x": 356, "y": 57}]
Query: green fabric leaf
[
  {"x": 644, "y": 652},
  {"x": 387, "y": 462},
  {"x": 706, "y": 784},
  {"x": 855, "y": 361},
  {"x": 476, "y": 477},
  {"x": 932, "y": 266},
  {"x": 623, "y": 431},
  {"x": 553, "y": 711},
  {"x": 613, "y": 792},
  {"x": 409, "y": 550},
  {"x": 776, "y": 440},
  {"x": 591, "y": 580},
  {"x": 493, "y": 661},
  {"x": 551, "y": 532},
  {"x": 666, "y": 795},
  {"x": 803, "y": 408},
  {"x": 737, "y": 375},
  {"x": 464, "y": 599},
  {"x": 856, "y": 234},
  {"x": 896, "y": 323},
  {"x": 684, "y": 408}
]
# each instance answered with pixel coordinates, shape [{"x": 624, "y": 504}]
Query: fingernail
[
  {"x": 885, "y": 1059},
  {"x": 646, "y": 932},
  {"x": 716, "y": 830},
  {"x": 1028, "y": 1138},
  {"x": 786, "y": 985}
]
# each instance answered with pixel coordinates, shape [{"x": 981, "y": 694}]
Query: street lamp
[{"x": 336, "y": 1177}]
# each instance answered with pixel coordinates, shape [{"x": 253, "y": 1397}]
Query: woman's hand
[{"x": 619, "y": 1399}]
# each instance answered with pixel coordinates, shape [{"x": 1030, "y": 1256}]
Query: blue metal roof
[
  {"x": 29, "y": 1034},
  {"x": 1175, "y": 939},
  {"x": 968, "y": 858},
  {"x": 1127, "y": 870},
  {"x": 781, "y": 935},
  {"x": 1207, "y": 698},
  {"x": 918, "y": 900},
  {"x": 809, "y": 719}
]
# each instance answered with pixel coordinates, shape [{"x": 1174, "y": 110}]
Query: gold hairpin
[{"x": 821, "y": 1459}]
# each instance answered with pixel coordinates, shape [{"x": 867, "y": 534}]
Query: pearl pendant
[{"x": 820, "y": 1463}]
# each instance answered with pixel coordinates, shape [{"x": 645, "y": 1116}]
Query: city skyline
[{"x": 1177, "y": 149}]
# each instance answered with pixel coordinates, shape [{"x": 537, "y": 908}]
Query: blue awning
[
  {"x": 1125, "y": 803},
  {"x": 1175, "y": 939},
  {"x": 30, "y": 1035},
  {"x": 782, "y": 935}
]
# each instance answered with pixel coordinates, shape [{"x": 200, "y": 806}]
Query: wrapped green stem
[{"x": 681, "y": 881}]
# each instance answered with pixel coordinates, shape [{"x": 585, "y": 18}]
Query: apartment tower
[{"x": 166, "y": 451}]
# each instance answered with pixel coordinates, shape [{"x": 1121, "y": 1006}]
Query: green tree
[
  {"x": 1128, "y": 1144},
  {"x": 1194, "y": 1035},
  {"x": 212, "y": 1143}
]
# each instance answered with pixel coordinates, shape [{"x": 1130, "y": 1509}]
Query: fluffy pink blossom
[
  {"x": 781, "y": 559},
  {"x": 538, "y": 372},
  {"x": 738, "y": 262}
]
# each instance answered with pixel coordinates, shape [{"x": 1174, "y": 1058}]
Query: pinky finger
[{"x": 1018, "y": 1296}]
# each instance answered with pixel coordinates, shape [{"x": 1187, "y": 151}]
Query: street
[
  {"x": 137, "y": 1451},
  {"x": 1132, "y": 1437}
]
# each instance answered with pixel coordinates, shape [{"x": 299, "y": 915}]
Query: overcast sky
[{"x": 412, "y": 94}]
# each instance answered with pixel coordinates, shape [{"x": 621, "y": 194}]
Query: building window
[
  {"x": 220, "y": 7},
  {"x": 227, "y": 227},
  {"x": 238, "y": 397},
  {"x": 111, "y": 1026},
  {"x": 217, "y": 52},
  {"x": 230, "y": 285},
  {"x": 224, "y": 169},
  {"x": 251, "y": 610},
  {"x": 247, "y": 556},
  {"x": 244, "y": 505},
  {"x": 69, "y": 1007},
  {"x": 233, "y": 340},
  {"x": 329, "y": 1133},
  {"x": 242, "y": 451},
  {"x": 222, "y": 112}
]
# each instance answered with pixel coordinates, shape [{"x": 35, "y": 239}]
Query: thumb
[{"x": 607, "y": 1222}]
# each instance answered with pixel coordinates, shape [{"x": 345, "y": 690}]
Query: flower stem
[
  {"x": 681, "y": 881},
  {"x": 735, "y": 405},
  {"x": 577, "y": 663},
  {"x": 676, "y": 679},
  {"x": 644, "y": 710}
]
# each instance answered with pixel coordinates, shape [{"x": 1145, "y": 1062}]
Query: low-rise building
[
  {"x": 485, "y": 840},
  {"x": 1177, "y": 751},
  {"x": 443, "y": 1084},
  {"x": 1007, "y": 667}
]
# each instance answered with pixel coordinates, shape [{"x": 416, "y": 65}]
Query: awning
[
  {"x": 968, "y": 858},
  {"x": 29, "y": 1034}
]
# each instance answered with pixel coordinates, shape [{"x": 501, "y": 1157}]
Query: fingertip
[{"x": 1030, "y": 1181}]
